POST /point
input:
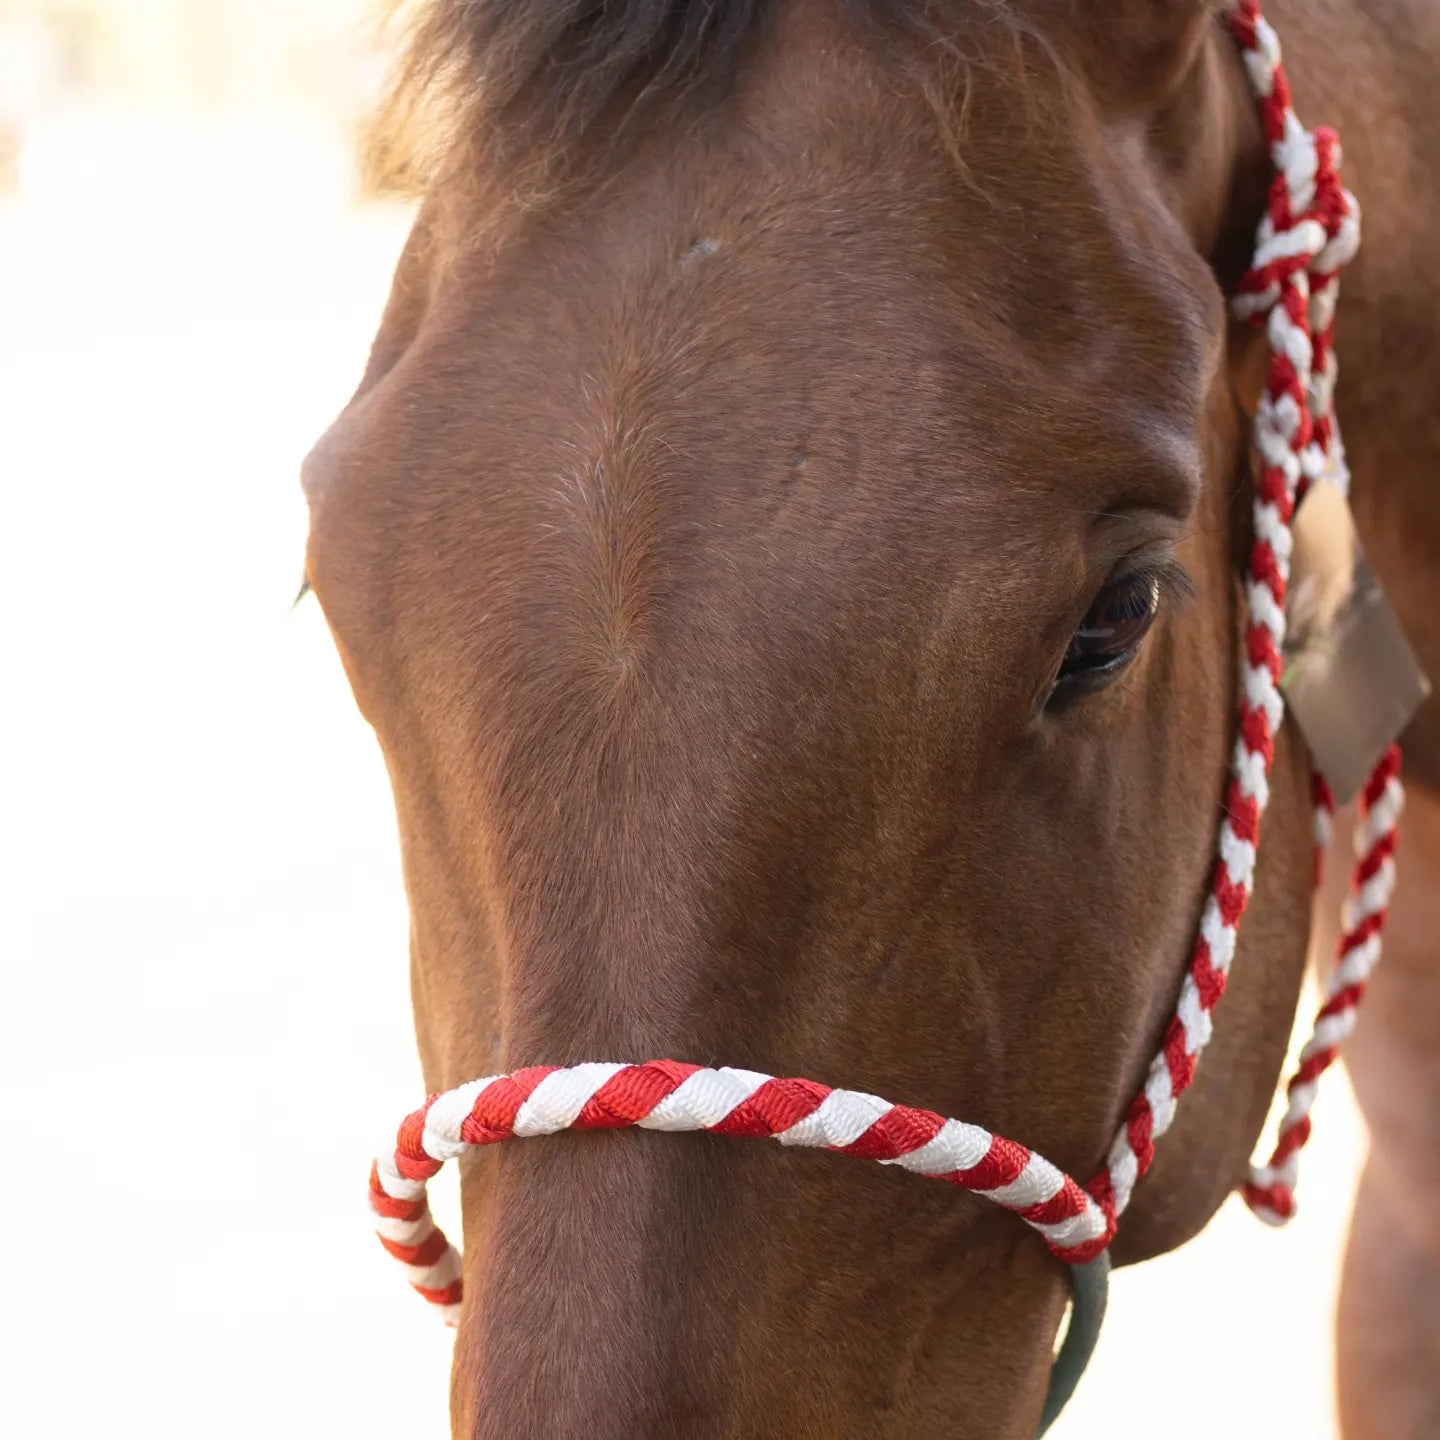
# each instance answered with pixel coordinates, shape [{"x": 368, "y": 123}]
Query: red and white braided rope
[
  {"x": 1310, "y": 229},
  {"x": 1308, "y": 203},
  {"x": 667, "y": 1095},
  {"x": 1270, "y": 1192}
]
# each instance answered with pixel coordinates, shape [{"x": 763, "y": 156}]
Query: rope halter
[{"x": 1310, "y": 229}]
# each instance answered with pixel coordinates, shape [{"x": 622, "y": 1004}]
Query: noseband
[{"x": 1310, "y": 229}]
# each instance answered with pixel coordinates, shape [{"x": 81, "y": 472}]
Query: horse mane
[{"x": 527, "y": 86}]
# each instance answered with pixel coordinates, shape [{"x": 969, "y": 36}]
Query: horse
[{"x": 787, "y": 543}]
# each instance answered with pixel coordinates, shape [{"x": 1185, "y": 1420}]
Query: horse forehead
[
  {"x": 707, "y": 376},
  {"x": 721, "y": 287},
  {"x": 894, "y": 343},
  {"x": 592, "y": 450}
]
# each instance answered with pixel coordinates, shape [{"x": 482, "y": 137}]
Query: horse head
[{"x": 787, "y": 542}]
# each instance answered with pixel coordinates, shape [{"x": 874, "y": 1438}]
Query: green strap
[{"x": 1090, "y": 1288}]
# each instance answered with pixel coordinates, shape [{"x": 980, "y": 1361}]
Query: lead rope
[
  {"x": 1304, "y": 184},
  {"x": 1270, "y": 1190},
  {"x": 1310, "y": 229}
]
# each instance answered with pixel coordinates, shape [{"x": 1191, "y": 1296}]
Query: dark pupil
[{"x": 1116, "y": 624}]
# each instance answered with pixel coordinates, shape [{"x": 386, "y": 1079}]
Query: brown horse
[{"x": 768, "y": 394}]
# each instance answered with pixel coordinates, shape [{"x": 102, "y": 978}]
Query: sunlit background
[{"x": 204, "y": 1029}]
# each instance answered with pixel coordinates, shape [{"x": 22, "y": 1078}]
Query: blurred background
[{"x": 205, "y": 1029}]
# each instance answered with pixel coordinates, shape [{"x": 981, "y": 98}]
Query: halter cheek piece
[{"x": 1310, "y": 229}]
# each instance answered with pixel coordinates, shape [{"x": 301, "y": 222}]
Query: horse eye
[{"x": 1107, "y": 638}]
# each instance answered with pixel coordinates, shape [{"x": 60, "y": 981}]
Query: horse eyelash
[{"x": 1168, "y": 575}]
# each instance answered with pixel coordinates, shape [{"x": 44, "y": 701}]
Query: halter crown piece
[{"x": 1310, "y": 229}]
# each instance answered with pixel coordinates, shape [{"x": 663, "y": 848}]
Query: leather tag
[{"x": 1350, "y": 678}]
